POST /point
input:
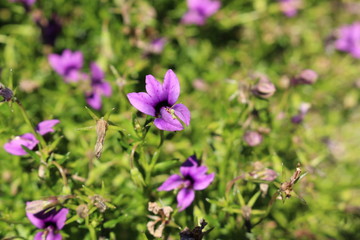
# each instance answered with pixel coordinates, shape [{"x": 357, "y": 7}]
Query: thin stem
[
  {"x": 62, "y": 173},
  {"x": 28, "y": 121}
]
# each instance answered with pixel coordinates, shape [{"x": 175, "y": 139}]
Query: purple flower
[
  {"x": 50, "y": 220},
  {"x": 193, "y": 178},
  {"x": 306, "y": 76},
  {"x": 253, "y": 138},
  {"x": 349, "y": 39},
  {"x": 50, "y": 28},
  {"x": 27, "y": 3},
  {"x": 157, "y": 45},
  {"x": 159, "y": 101},
  {"x": 199, "y": 11},
  {"x": 99, "y": 87},
  {"x": 46, "y": 126},
  {"x": 27, "y": 140},
  {"x": 304, "y": 108},
  {"x": 67, "y": 65},
  {"x": 289, "y": 7}
]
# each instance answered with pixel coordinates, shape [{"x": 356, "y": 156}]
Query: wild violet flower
[
  {"x": 46, "y": 126},
  {"x": 27, "y": 140},
  {"x": 51, "y": 221},
  {"x": 349, "y": 39},
  {"x": 289, "y": 7},
  {"x": 193, "y": 178},
  {"x": 304, "y": 108},
  {"x": 159, "y": 101},
  {"x": 99, "y": 87},
  {"x": 199, "y": 11},
  {"x": 68, "y": 65}
]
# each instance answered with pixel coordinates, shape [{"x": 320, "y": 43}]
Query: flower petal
[
  {"x": 204, "y": 181},
  {"x": 60, "y": 217},
  {"x": 14, "y": 147},
  {"x": 53, "y": 236},
  {"x": 46, "y": 126},
  {"x": 142, "y": 102},
  {"x": 155, "y": 89},
  {"x": 94, "y": 100},
  {"x": 171, "y": 183},
  {"x": 37, "y": 222},
  {"x": 182, "y": 112},
  {"x": 38, "y": 236},
  {"x": 55, "y": 63},
  {"x": 166, "y": 126},
  {"x": 185, "y": 197},
  {"x": 96, "y": 73},
  {"x": 193, "y": 17},
  {"x": 171, "y": 87},
  {"x": 167, "y": 122}
]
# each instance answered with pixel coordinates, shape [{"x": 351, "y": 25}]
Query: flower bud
[
  {"x": 307, "y": 76},
  {"x": 264, "y": 88},
  {"x": 6, "y": 93},
  {"x": 253, "y": 138}
]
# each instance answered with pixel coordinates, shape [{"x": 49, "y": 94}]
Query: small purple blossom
[
  {"x": 99, "y": 87},
  {"x": 46, "y": 126},
  {"x": 199, "y": 11},
  {"x": 159, "y": 101},
  {"x": 157, "y": 45},
  {"x": 253, "y": 138},
  {"x": 68, "y": 65},
  {"x": 50, "y": 220},
  {"x": 27, "y": 140},
  {"x": 304, "y": 108},
  {"x": 349, "y": 39},
  {"x": 193, "y": 178},
  {"x": 289, "y": 7}
]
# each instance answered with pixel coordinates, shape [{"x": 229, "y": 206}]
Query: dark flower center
[{"x": 159, "y": 105}]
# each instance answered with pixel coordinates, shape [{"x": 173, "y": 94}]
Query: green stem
[{"x": 28, "y": 121}]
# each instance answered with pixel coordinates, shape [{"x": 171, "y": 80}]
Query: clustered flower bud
[
  {"x": 306, "y": 76},
  {"x": 264, "y": 88}
]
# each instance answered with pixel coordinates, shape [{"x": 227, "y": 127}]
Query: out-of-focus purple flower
[
  {"x": 306, "y": 76},
  {"x": 253, "y": 138},
  {"x": 27, "y": 3},
  {"x": 304, "y": 108},
  {"x": 289, "y": 7},
  {"x": 193, "y": 178},
  {"x": 27, "y": 140},
  {"x": 68, "y": 65},
  {"x": 159, "y": 101},
  {"x": 50, "y": 28},
  {"x": 50, "y": 220},
  {"x": 99, "y": 87},
  {"x": 264, "y": 88},
  {"x": 199, "y": 11},
  {"x": 46, "y": 126},
  {"x": 349, "y": 39},
  {"x": 157, "y": 45}
]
